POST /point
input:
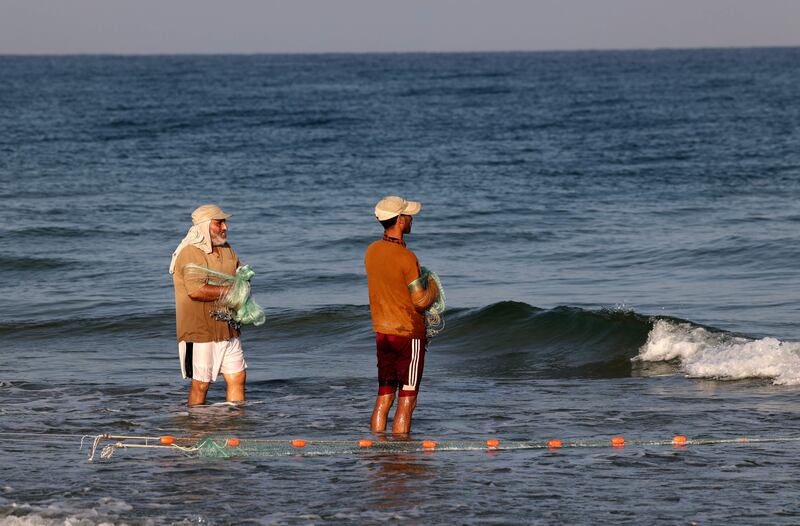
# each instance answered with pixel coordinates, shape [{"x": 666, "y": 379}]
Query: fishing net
[
  {"x": 210, "y": 448},
  {"x": 236, "y": 307},
  {"x": 434, "y": 320},
  {"x": 220, "y": 447}
]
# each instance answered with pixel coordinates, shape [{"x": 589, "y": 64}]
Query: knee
[
  {"x": 236, "y": 378},
  {"x": 384, "y": 401},
  {"x": 200, "y": 387},
  {"x": 408, "y": 402}
]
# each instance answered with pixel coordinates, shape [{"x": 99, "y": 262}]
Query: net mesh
[
  {"x": 236, "y": 307},
  {"x": 434, "y": 319},
  {"x": 219, "y": 447}
]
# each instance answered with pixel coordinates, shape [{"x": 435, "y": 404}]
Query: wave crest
[
  {"x": 704, "y": 353},
  {"x": 511, "y": 339}
]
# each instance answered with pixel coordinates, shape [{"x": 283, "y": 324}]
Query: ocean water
[{"x": 616, "y": 233}]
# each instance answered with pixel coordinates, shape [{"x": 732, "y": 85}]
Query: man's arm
[
  {"x": 196, "y": 284},
  {"x": 422, "y": 298},
  {"x": 209, "y": 293},
  {"x": 424, "y": 291}
]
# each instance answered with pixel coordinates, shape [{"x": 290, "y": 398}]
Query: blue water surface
[{"x": 570, "y": 200}]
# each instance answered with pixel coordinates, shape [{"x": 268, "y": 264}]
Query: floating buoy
[
  {"x": 428, "y": 444},
  {"x": 298, "y": 442},
  {"x": 618, "y": 442},
  {"x": 167, "y": 440},
  {"x": 365, "y": 443},
  {"x": 554, "y": 443},
  {"x": 492, "y": 442},
  {"x": 233, "y": 442},
  {"x": 679, "y": 440}
]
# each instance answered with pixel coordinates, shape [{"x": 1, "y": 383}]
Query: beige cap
[
  {"x": 392, "y": 206},
  {"x": 207, "y": 213}
]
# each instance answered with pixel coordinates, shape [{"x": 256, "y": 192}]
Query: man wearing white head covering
[
  {"x": 397, "y": 313},
  {"x": 207, "y": 346}
]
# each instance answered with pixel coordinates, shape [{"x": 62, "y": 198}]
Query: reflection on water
[
  {"x": 396, "y": 477},
  {"x": 644, "y": 369}
]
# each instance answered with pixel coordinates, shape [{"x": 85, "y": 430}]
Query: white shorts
[{"x": 207, "y": 359}]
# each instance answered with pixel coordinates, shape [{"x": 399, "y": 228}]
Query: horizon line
[{"x": 416, "y": 52}]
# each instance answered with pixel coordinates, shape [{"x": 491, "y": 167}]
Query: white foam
[
  {"x": 105, "y": 513},
  {"x": 705, "y": 354}
]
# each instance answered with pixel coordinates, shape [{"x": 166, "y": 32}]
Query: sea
[{"x": 616, "y": 233}]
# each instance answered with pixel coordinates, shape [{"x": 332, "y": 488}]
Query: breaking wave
[{"x": 705, "y": 353}]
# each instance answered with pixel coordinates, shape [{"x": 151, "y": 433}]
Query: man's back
[{"x": 390, "y": 268}]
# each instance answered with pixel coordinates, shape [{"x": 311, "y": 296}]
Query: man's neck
[{"x": 395, "y": 232}]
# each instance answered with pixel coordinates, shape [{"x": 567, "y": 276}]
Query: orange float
[
  {"x": 167, "y": 440},
  {"x": 298, "y": 442},
  {"x": 679, "y": 440}
]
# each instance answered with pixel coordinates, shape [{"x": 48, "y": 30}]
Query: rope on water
[{"x": 11, "y": 436}]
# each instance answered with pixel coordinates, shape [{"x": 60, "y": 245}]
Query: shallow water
[{"x": 615, "y": 231}]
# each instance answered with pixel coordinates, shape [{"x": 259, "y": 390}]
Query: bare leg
[
  {"x": 382, "y": 405},
  {"x": 235, "y": 386},
  {"x": 197, "y": 393},
  {"x": 402, "y": 416}
]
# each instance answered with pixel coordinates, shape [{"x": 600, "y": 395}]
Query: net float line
[{"x": 226, "y": 447}]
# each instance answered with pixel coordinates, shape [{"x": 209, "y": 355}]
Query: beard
[{"x": 219, "y": 241}]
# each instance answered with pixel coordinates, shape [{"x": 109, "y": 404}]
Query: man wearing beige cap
[
  {"x": 397, "y": 314},
  {"x": 207, "y": 346}
]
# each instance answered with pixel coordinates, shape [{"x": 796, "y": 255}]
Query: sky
[{"x": 312, "y": 26}]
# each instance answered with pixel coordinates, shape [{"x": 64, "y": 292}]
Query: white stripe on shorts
[{"x": 413, "y": 367}]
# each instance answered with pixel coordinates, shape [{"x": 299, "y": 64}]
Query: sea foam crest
[
  {"x": 706, "y": 354},
  {"x": 105, "y": 511}
]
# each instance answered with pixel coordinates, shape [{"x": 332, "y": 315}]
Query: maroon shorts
[{"x": 400, "y": 361}]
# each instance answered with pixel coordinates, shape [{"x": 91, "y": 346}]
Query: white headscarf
[
  {"x": 200, "y": 233},
  {"x": 199, "y": 236}
]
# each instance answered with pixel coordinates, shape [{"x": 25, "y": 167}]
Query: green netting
[
  {"x": 218, "y": 447},
  {"x": 236, "y": 307},
  {"x": 434, "y": 319}
]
